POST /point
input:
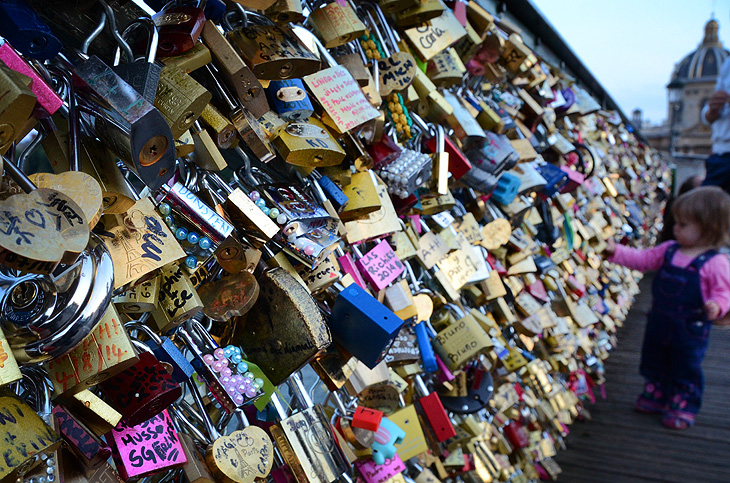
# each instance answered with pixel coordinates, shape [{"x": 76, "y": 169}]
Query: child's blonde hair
[{"x": 708, "y": 207}]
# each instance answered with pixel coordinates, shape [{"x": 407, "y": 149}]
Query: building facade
[{"x": 691, "y": 84}]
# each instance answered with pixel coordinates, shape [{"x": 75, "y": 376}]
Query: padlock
[
  {"x": 142, "y": 298},
  {"x": 235, "y": 73},
  {"x": 308, "y": 143},
  {"x": 240, "y": 457},
  {"x": 129, "y": 125},
  {"x": 143, "y": 390},
  {"x": 180, "y": 99},
  {"x": 105, "y": 352},
  {"x": 147, "y": 447},
  {"x": 220, "y": 128},
  {"x": 206, "y": 154},
  {"x": 47, "y": 97},
  {"x": 16, "y": 107},
  {"x": 414, "y": 442},
  {"x": 85, "y": 445},
  {"x": 273, "y": 52},
  {"x": 21, "y": 26},
  {"x": 336, "y": 24},
  {"x": 380, "y": 266},
  {"x": 404, "y": 170},
  {"x": 166, "y": 352},
  {"x": 98, "y": 416},
  {"x": 223, "y": 369},
  {"x": 195, "y": 469},
  {"x": 143, "y": 75},
  {"x": 289, "y": 99},
  {"x": 434, "y": 411},
  {"x": 180, "y": 28},
  {"x": 306, "y": 440},
  {"x": 192, "y": 60},
  {"x": 461, "y": 341},
  {"x": 362, "y": 196},
  {"x": 278, "y": 350},
  {"x": 81, "y": 296},
  {"x": 362, "y": 325},
  {"x": 178, "y": 299},
  {"x": 309, "y": 233},
  {"x": 29, "y": 435}
]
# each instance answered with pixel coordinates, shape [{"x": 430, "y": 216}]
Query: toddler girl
[{"x": 691, "y": 289}]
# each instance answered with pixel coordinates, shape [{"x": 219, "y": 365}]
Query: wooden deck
[{"x": 619, "y": 445}]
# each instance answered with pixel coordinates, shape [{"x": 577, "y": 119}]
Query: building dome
[{"x": 705, "y": 62}]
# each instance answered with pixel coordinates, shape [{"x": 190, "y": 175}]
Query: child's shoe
[
  {"x": 678, "y": 419},
  {"x": 652, "y": 400},
  {"x": 649, "y": 406}
]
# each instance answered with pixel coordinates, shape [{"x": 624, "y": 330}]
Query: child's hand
[
  {"x": 610, "y": 248},
  {"x": 712, "y": 310}
]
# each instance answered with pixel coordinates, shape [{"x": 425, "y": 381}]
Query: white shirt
[{"x": 721, "y": 127}]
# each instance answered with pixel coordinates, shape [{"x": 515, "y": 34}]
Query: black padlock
[
  {"x": 143, "y": 74},
  {"x": 22, "y": 27}
]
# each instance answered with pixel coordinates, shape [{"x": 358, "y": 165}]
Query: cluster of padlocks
[{"x": 307, "y": 242}]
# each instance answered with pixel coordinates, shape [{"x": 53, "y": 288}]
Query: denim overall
[{"x": 676, "y": 337}]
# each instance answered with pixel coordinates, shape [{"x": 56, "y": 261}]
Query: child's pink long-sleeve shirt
[{"x": 714, "y": 274}]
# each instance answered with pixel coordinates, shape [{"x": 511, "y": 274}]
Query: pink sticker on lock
[
  {"x": 47, "y": 97},
  {"x": 380, "y": 266},
  {"x": 146, "y": 448},
  {"x": 375, "y": 473}
]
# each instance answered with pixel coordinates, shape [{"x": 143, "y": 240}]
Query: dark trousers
[{"x": 717, "y": 167}]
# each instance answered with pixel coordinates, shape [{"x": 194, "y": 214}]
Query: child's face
[{"x": 687, "y": 233}]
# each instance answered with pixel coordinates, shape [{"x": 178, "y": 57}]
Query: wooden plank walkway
[{"x": 621, "y": 446}]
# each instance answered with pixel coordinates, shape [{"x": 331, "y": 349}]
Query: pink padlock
[
  {"x": 375, "y": 473},
  {"x": 380, "y": 266},
  {"x": 348, "y": 266},
  {"x": 47, "y": 97},
  {"x": 147, "y": 448}
]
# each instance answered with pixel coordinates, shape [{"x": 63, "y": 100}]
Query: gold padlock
[
  {"x": 336, "y": 24},
  {"x": 308, "y": 144},
  {"x": 180, "y": 99},
  {"x": 16, "y": 106},
  {"x": 177, "y": 300}
]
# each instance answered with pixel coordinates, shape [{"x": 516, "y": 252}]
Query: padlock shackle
[
  {"x": 323, "y": 52},
  {"x": 74, "y": 119},
  {"x": 209, "y": 426},
  {"x": 276, "y": 402},
  {"x": 94, "y": 34},
  {"x": 18, "y": 176},
  {"x": 112, "y": 24},
  {"x": 153, "y": 39},
  {"x": 179, "y": 419},
  {"x": 133, "y": 324},
  {"x": 300, "y": 392}
]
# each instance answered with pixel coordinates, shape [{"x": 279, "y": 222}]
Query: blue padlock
[
  {"x": 166, "y": 352},
  {"x": 424, "y": 344},
  {"x": 363, "y": 326},
  {"x": 289, "y": 99},
  {"x": 333, "y": 192},
  {"x": 555, "y": 179},
  {"x": 26, "y": 32},
  {"x": 507, "y": 189}
]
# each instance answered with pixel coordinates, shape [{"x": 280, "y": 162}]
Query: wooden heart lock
[
  {"x": 77, "y": 185},
  {"x": 242, "y": 456},
  {"x": 41, "y": 228}
]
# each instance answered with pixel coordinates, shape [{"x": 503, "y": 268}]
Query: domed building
[{"x": 691, "y": 84}]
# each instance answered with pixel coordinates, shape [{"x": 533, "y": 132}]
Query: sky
[{"x": 631, "y": 46}]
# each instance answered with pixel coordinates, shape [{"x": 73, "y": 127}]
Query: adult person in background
[{"x": 716, "y": 114}]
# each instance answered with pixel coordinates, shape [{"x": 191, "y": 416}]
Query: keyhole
[
  {"x": 189, "y": 118},
  {"x": 24, "y": 294},
  {"x": 38, "y": 44},
  {"x": 285, "y": 70}
]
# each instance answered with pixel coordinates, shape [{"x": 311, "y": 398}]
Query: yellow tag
[{"x": 415, "y": 442}]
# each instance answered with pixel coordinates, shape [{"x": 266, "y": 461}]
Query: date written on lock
[{"x": 380, "y": 266}]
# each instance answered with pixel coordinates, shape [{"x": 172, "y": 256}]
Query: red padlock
[
  {"x": 366, "y": 418},
  {"x": 516, "y": 435},
  {"x": 435, "y": 413},
  {"x": 142, "y": 391},
  {"x": 179, "y": 29}
]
